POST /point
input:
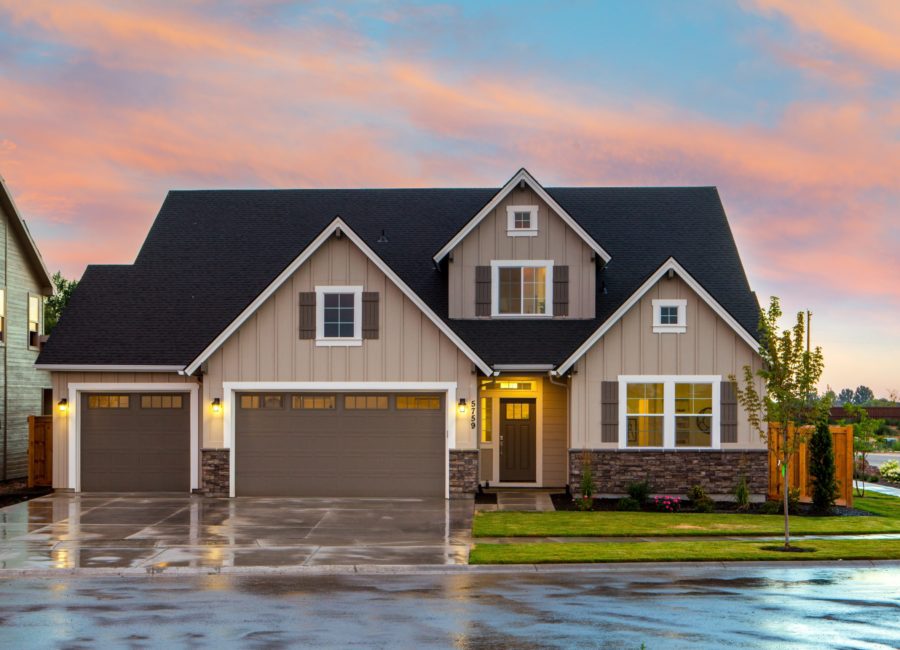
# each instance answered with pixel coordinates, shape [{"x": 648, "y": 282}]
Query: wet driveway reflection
[{"x": 695, "y": 607}]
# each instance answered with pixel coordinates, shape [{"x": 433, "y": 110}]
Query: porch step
[{"x": 524, "y": 501}]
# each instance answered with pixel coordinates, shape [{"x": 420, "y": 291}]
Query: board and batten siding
[
  {"x": 21, "y": 385},
  {"x": 268, "y": 347},
  {"x": 61, "y": 381},
  {"x": 490, "y": 241},
  {"x": 554, "y": 405},
  {"x": 708, "y": 347}
]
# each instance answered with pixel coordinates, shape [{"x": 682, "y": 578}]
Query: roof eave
[{"x": 31, "y": 249}]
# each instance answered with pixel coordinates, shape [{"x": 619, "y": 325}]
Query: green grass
[
  {"x": 629, "y": 524},
  {"x": 700, "y": 550}
]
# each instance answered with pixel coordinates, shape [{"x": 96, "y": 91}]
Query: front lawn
[
  {"x": 700, "y": 550},
  {"x": 631, "y": 524}
]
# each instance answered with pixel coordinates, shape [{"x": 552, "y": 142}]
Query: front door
[{"x": 518, "y": 441}]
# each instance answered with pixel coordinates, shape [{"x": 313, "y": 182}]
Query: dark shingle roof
[{"x": 210, "y": 253}]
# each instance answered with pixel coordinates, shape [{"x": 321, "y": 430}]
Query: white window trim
[
  {"x": 321, "y": 339},
  {"x": 511, "y": 229},
  {"x": 669, "y": 382},
  {"x": 496, "y": 265},
  {"x": 40, "y": 320},
  {"x": 678, "y": 328}
]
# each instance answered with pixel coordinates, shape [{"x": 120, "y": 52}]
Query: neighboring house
[
  {"x": 24, "y": 283},
  {"x": 411, "y": 342}
]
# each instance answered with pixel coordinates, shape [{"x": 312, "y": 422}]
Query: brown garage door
[
  {"x": 294, "y": 444},
  {"x": 135, "y": 442}
]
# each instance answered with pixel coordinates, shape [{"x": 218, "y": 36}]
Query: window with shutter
[
  {"x": 370, "y": 315},
  {"x": 560, "y": 290},
  {"x": 482, "y": 291}
]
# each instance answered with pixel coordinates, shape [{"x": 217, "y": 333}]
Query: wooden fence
[
  {"x": 842, "y": 439},
  {"x": 40, "y": 450}
]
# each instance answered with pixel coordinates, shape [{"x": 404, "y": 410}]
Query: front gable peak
[{"x": 521, "y": 178}]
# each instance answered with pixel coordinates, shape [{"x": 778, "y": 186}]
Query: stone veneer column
[
  {"x": 463, "y": 472},
  {"x": 215, "y": 472}
]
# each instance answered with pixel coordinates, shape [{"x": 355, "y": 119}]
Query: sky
[{"x": 790, "y": 107}]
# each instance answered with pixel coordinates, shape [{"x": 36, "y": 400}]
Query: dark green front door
[{"x": 518, "y": 441}]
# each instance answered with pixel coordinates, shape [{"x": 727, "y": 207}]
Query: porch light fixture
[
  {"x": 217, "y": 406},
  {"x": 63, "y": 405},
  {"x": 462, "y": 406}
]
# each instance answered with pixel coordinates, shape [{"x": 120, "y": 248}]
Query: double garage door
[
  {"x": 286, "y": 444},
  {"x": 339, "y": 444}
]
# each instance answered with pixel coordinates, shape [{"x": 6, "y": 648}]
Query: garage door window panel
[
  {"x": 416, "y": 402},
  {"x": 162, "y": 401},
  {"x": 366, "y": 402},
  {"x": 108, "y": 402},
  {"x": 313, "y": 402},
  {"x": 254, "y": 402}
]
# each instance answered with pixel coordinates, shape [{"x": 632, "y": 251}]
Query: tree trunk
[{"x": 785, "y": 467}]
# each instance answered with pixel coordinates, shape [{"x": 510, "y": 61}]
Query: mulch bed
[
  {"x": 565, "y": 502},
  {"x": 17, "y": 490}
]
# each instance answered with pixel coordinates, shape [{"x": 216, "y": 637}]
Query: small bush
[
  {"x": 667, "y": 504},
  {"x": 770, "y": 508},
  {"x": 742, "y": 494},
  {"x": 821, "y": 469},
  {"x": 890, "y": 471},
  {"x": 705, "y": 505},
  {"x": 794, "y": 500},
  {"x": 587, "y": 477},
  {"x": 639, "y": 491},
  {"x": 698, "y": 496},
  {"x": 628, "y": 504}
]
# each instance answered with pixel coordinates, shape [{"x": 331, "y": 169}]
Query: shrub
[
  {"x": 742, "y": 494},
  {"x": 793, "y": 500},
  {"x": 667, "y": 504},
  {"x": 698, "y": 496},
  {"x": 628, "y": 503},
  {"x": 771, "y": 508},
  {"x": 890, "y": 471},
  {"x": 587, "y": 477},
  {"x": 639, "y": 491},
  {"x": 821, "y": 469}
]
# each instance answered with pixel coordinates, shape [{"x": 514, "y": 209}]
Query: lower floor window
[{"x": 669, "y": 412}]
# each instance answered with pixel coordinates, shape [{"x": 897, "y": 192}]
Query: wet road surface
[{"x": 694, "y": 607}]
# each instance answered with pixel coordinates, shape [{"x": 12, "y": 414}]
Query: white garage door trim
[
  {"x": 73, "y": 421},
  {"x": 230, "y": 388}
]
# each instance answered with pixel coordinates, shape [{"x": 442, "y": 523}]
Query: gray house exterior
[
  {"x": 24, "y": 283},
  {"x": 412, "y": 343}
]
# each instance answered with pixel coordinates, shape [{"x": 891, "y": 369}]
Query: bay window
[{"x": 669, "y": 412}]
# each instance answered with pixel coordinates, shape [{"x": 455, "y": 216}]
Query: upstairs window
[
  {"x": 522, "y": 288},
  {"x": 522, "y": 220},
  {"x": 338, "y": 316},
  {"x": 34, "y": 321},
  {"x": 669, "y": 316}
]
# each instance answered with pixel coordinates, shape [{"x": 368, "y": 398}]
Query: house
[
  {"x": 411, "y": 342},
  {"x": 24, "y": 283}
]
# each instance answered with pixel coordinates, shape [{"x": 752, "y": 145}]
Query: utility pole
[{"x": 808, "y": 319}]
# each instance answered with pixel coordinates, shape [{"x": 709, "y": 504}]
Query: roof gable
[
  {"x": 19, "y": 227},
  {"x": 522, "y": 176}
]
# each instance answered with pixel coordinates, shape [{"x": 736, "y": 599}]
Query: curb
[{"x": 452, "y": 569}]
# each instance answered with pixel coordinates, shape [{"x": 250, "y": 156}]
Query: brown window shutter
[
  {"x": 728, "y": 418},
  {"x": 560, "y": 290},
  {"x": 482, "y": 291},
  {"x": 370, "y": 315},
  {"x": 308, "y": 315},
  {"x": 609, "y": 411}
]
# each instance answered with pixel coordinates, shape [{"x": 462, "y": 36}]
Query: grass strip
[
  {"x": 627, "y": 524},
  {"x": 695, "y": 551}
]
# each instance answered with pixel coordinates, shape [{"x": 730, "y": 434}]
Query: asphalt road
[
  {"x": 878, "y": 459},
  {"x": 705, "y": 607}
]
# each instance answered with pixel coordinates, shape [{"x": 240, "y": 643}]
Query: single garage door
[
  {"x": 354, "y": 445},
  {"x": 135, "y": 442}
]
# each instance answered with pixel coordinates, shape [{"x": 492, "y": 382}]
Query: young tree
[
  {"x": 821, "y": 468},
  {"x": 789, "y": 373},
  {"x": 864, "y": 441},
  {"x": 57, "y": 302}
]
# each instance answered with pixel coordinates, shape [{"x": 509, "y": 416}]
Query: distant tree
[
  {"x": 821, "y": 468},
  {"x": 56, "y": 303},
  {"x": 893, "y": 395},
  {"x": 830, "y": 396},
  {"x": 844, "y": 397},
  {"x": 863, "y": 395},
  {"x": 790, "y": 373},
  {"x": 864, "y": 441}
]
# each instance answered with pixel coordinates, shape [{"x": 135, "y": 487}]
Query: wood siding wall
[
  {"x": 268, "y": 347},
  {"x": 21, "y": 386},
  {"x": 709, "y": 347},
  {"x": 554, "y": 241},
  {"x": 61, "y": 381},
  {"x": 554, "y": 403}
]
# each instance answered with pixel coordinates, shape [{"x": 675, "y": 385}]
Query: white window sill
[
  {"x": 522, "y": 233},
  {"x": 517, "y": 316},
  {"x": 668, "y": 448},
  {"x": 338, "y": 343},
  {"x": 669, "y": 329}
]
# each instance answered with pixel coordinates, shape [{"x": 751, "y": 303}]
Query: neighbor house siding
[
  {"x": 490, "y": 241},
  {"x": 61, "y": 382},
  {"x": 709, "y": 347},
  {"x": 21, "y": 386},
  {"x": 268, "y": 347},
  {"x": 554, "y": 405}
]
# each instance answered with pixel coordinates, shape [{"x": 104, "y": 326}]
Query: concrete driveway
[{"x": 156, "y": 532}]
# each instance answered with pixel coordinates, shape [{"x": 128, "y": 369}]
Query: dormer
[{"x": 522, "y": 257}]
